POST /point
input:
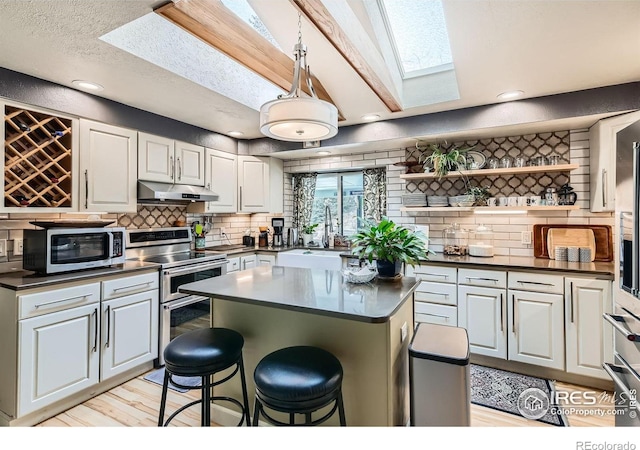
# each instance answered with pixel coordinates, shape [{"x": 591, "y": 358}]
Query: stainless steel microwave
[{"x": 55, "y": 250}]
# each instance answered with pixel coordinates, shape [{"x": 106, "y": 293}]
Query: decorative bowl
[{"x": 359, "y": 276}]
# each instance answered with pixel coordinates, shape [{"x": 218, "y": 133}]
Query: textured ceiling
[{"x": 541, "y": 47}]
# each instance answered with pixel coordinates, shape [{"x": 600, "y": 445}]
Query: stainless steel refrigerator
[{"x": 625, "y": 371}]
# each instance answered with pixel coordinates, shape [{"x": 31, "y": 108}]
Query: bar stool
[
  {"x": 298, "y": 380},
  {"x": 203, "y": 353}
]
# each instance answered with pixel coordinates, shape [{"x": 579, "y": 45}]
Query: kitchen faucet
[{"x": 328, "y": 226}]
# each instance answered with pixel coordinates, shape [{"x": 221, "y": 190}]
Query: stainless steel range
[{"x": 171, "y": 248}]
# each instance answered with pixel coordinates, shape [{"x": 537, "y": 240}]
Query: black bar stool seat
[
  {"x": 203, "y": 353},
  {"x": 298, "y": 380}
]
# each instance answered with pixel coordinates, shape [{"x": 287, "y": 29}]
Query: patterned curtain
[
  {"x": 304, "y": 189},
  {"x": 375, "y": 193}
]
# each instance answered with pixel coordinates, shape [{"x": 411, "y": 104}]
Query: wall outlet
[
  {"x": 3, "y": 247},
  {"x": 17, "y": 247},
  {"x": 525, "y": 237},
  {"x": 403, "y": 332},
  {"x": 222, "y": 231}
]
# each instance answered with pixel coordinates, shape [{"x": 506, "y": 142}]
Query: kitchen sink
[{"x": 311, "y": 259}]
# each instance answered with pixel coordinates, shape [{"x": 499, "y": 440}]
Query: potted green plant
[
  {"x": 390, "y": 245},
  {"x": 480, "y": 195},
  {"x": 307, "y": 233},
  {"x": 443, "y": 161}
]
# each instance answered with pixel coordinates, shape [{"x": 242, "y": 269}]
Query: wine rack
[{"x": 37, "y": 159}]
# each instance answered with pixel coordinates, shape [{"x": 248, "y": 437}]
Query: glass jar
[
  {"x": 481, "y": 241},
  {"x": 456, "y": 240},
  {"x": 553, "y": 160},
  {"x": 506, "y": 162},
  {"x": 520, "y": 161},
  {"x": 539, "y": 160},
  {"x": 493, "y": 163}
]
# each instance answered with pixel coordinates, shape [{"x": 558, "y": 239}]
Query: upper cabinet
[
  {"x": 602, "y": 155},
  {"x": 168, "y": 161},
  {"x": 260, "y": 184},
  {"x": 108, "y": 157},
  {"x": 40, "y": 159},
  {"x": 221, "y": 176}
]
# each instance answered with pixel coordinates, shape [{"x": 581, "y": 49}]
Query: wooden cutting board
[
  {"x": 603, "y": 235},
  {"x": 570, "y": 237}
]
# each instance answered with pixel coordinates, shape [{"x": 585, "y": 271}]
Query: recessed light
[
  {"x": 370, "y": 117},
  {"x": 87, "y": 85},
  {"x": 510, "y": 95},
  {"x": 323, "y": 153},
  {"x": 235, "y": 133}
]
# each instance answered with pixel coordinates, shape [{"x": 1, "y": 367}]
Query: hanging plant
[{"x": 444, "y": 161}]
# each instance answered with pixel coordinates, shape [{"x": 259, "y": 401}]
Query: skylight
[
  {"x": 243, "y": 10},
  {"x": 419, "y": 35}
]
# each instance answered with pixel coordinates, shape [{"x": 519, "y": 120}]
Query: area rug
[
  {"x": 157, "y": 377},
  {"x": 503, "y": 391}
]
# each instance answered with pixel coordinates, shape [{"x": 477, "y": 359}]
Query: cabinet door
[
  {"x": 129, "y": 332},
  {"x": 536, "y": 328},
  {"x": 265, "y": 260},
  {"x": 155, "y": 158},
  {"x": 589, "y": 339},
  {"x": 221, "y": 170},
  {"x": 189, "y": 164},
  {"x": 58, "y": 356},
  {"x": 482, "y": 311},
  {"x": 247, "y": 262},
  {"x": 253, "y": 184},
  {"x": 108, "y": 167},
  {"x": 233, "y": 265},
  {"x": 602, "y": 151}
]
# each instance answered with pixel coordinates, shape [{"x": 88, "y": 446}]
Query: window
[{"x": 343, "y": 193}]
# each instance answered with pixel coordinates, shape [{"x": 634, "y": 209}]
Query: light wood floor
[{"x": 136, "y": 404}]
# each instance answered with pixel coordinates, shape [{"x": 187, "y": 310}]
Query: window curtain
[
  {"x": 375, "y": 193},
  {"x": 304, "y": 189}
]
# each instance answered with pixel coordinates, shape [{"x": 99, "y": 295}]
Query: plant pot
[
  {"x": 388, "y": 269},
  {"x": 306, "y": 238}
]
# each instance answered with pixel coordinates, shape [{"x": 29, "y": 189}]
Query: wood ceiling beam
[
  {"x": 318, "y": 14},
  {"x": 213, "y": 23}
]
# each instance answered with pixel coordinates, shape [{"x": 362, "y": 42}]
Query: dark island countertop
[
  {"x": 314, "y": 291},
  {"x": 24, "y": 279}
]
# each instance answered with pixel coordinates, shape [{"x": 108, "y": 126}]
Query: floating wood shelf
[
  {"x": 37, "y": 159},
  {"x": 488, "y": 208},
  {"x": 493, "y": 172}
]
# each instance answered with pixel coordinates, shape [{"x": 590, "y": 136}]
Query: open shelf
[
  {"x": 493, "y": 172},
  {"x": 488, "y": 208}
]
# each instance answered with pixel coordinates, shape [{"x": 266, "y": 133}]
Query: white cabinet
[
  {"x": 536, "y": 328},
  {"x": 602, "y": 154},
  {"x": 168, "y": 161},
  {"x": 265, "y": 260},
  {"x": 233, "y": 264},
  {"x": 247, "y": 262},
  {"x": 260, "y": 184},
  {"x": 58, "y": 352},
  {"x": 483, "y": 312},
  {"x": 589, "y": 339},
  {"x": 436, "y": 297},
  {"x": 108, "y": 167},
  {"x": 221, "y": 176}
]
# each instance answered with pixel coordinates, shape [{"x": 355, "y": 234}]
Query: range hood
[{"x": 150, "y": 190}]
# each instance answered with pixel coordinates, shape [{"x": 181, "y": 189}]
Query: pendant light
[{"x": 294, "y": 118}]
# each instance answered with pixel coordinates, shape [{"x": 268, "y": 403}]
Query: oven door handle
[
  {"x": 610, "y": 369},
  {"x": 186, "y": 302},
  {"x": 617, "y": 322},
  {"x": 196, "y": 268}
]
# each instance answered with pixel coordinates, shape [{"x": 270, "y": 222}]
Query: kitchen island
[{"x": 366, "y": 326}]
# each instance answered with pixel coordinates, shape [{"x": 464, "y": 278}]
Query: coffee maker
[{"x": 278, "y": 226}]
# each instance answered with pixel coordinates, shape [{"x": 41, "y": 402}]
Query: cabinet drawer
[
  {"x": 485, "y": 278},
  {"x": 129, "y": 285},
  {"x": 442, "y": 293},
  {"x": 233, "y": 264},
  {"x": 440, "y": 314},
  {"x": 536, "y": 282},
  {"x": 440, "y": 274},
  {"x": 37, "y": 304}
]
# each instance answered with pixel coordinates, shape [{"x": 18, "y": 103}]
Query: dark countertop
[
  {"x": 519, "y": 262},
  {"x": 237, "y": 251},
  {"x": 314, "y": 291},
  {"x": 24, "y": 279}
]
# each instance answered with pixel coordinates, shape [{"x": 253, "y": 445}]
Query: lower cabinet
[
  {"x": 589, "y": 338},
  {"x": 482, "y": 311},
  {"x": 536, "y": 329},
  {"x": 247, "y": 262},
  {"x": 58, "y": 356},
  {"x": 265, "y": 260}
]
